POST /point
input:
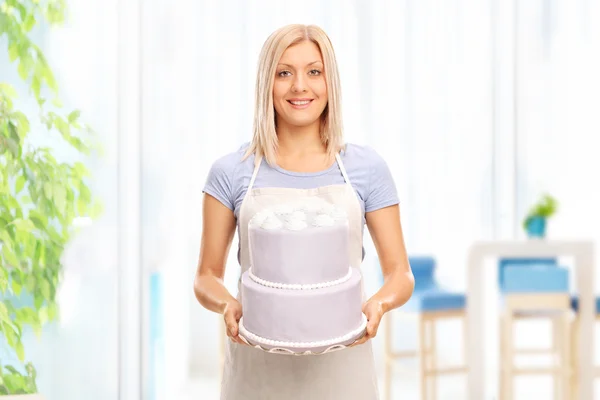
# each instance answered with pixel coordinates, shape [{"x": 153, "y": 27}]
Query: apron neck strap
[
  {"x": 342, "y": 168},
  {"x": 258, "y": 161}
]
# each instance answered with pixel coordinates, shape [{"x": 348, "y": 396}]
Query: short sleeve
[
  {"x": 219, "y": 183},
  {"x": 382, "y": 188}
]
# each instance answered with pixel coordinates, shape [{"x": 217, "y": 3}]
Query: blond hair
[{"x": 264, "y": 140}]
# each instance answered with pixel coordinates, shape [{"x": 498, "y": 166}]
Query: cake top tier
[{"x": 298, "y": 215}]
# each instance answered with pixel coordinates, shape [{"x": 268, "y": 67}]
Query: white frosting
[
  {"x": 321, "y": 343},
  {"x": 338, "y": 214},
  {"x": 283, "y": 209},
  {"x": 327, "y": 209},
  {"x": 296, "y": 286},
  {"x": 322, "y": 220},
  {"x": 297, "y": 215},
  {"x": 271, "y": 222},
  {"x": 294, "y": 216},
  {"x": 310, "y": 204},
  {"x": 295, "y": 224},
  {"x": 260, "y": 217}
]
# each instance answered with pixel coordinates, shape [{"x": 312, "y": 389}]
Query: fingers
[
  {"x": 232, "y": 316},
  {"x": 238, "y": 340},
  {"x": 360, "y": 341},
  {"x": 232, "y": 323},
  {"x": 372, "y": 329},
  {"x": 235, "y": 337},
  {"x": 232, "y": 327},
  {"x": 373, "y": 319}
]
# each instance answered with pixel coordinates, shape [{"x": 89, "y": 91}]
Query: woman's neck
[
  {"x": 298, "y": 141},
  {"x": 300, "y": 149}
]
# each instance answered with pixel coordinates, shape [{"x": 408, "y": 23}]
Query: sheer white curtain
[
  {"x": 476, "y": 106},
  {"x": 558, "y": 103}
]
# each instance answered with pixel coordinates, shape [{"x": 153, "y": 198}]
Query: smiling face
[{"x": 300, "y": 89}]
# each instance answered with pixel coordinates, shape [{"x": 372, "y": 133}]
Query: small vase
[{"x": 536, "y": 227}]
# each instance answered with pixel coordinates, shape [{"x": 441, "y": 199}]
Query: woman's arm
[
  {"x": 218, "y": 228},
  {"x": 386, "y": 231}
]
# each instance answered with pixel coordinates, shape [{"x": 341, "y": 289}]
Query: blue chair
[
  {"x": 535, "y": 288},
  {"x": 430, "y": 303},
  {"x": 575, "y": 343},
  {"x": 512, "y": 262}
]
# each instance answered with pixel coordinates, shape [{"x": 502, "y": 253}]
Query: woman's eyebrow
[{"x": 291, "y": 66}]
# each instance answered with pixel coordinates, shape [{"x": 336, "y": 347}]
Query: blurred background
[{"x": 480, "y": 108}]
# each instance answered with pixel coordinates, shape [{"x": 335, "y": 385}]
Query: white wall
[{"x": 473, "y": 128}]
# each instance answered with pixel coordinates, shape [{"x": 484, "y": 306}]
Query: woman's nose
[{"x": 298, "y": 85}]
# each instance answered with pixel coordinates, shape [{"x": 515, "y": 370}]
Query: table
[{"x": 583, "y": 253}]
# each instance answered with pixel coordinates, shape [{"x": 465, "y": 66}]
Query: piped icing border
[
  {"x": 299, "y": 286},
  {"x": 292, "y": 345}
]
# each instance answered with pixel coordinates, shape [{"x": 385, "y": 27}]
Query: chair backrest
[
  {"x": 503, "y": 263},
  {"x": 423, "y": 269}
]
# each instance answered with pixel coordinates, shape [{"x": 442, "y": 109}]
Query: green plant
[
  {"x": 15, "y": 382},
  {"x": 544, "y": 208},
  {"x": 40, "y": 196}
]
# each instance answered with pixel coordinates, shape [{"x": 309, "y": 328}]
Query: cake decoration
[
  {"x": 338, "y": 214},
  {"x": 260, "y": 217},
  {"x": 295, "y": 224},
  {"x": 271, "y": 222},
  {"x": 296, "y": 286},
  {"x": 315, "y": 344},
  {"x": 323, "y": 220},
  {"x": 297, "y": 214},
  {"x": 283, "y": 209},
  {"x": 327, "y": 209}
]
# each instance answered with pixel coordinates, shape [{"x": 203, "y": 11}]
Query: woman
[{"x": 298, "y": 145}]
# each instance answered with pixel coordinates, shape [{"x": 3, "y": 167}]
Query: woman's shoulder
[
  {"x": 234, "y": 161},
  {"x": 371, "y": 176},
  {"x": 360, "y": 156},
  {"x": 227, "y": 175}
]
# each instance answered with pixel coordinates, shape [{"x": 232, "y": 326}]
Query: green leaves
[
  {"x": 39, "y": 195},
  {"x": 13, "y": 381},
  {"x": 8, "y": 90},
  {"x": 29, "y": 23},
  {"x": 20, "y": 183},
  {"x": 74, "y": 116},
  {"x": 9, "y": 256},
  {"x": 545, "y": 207}
]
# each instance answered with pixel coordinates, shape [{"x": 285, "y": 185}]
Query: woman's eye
[
  {"x": 284, "y": 73},
  {"x": 315, "y": 72}
]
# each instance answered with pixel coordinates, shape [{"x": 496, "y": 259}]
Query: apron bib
[{"x": 253, "y": 374}]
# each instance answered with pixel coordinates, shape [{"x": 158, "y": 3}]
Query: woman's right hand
[
  {"x": 232, "y": 315},
  {"x": 218, "y": 230}
]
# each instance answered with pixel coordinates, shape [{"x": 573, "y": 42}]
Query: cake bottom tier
[{"x": 303, "y": 316}]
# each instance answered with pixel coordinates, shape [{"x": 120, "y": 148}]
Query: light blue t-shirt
[{"x": 229, "y": 177}]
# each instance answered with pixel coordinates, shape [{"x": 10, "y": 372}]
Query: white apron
[{"x": 253, "y": 374}]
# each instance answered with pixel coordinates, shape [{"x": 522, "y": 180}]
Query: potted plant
[
  {"x": 535, "y": 221},
  {"x": 40, "y": 195}
]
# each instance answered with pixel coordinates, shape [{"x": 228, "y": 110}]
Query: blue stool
[
  {"x": 430, "y": 302},
  {"x": 535, "y": 288}
]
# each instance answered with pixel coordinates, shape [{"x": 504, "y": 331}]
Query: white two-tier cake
[{"x": 300, "y": 294}]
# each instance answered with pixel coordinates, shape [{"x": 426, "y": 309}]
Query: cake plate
[{"x": 302, "y": 348}]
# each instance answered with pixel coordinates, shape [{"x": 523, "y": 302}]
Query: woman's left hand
[{"x": 373, "y": 310}]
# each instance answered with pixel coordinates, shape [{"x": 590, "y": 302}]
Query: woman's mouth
[{"x": 300, "y": 104}]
